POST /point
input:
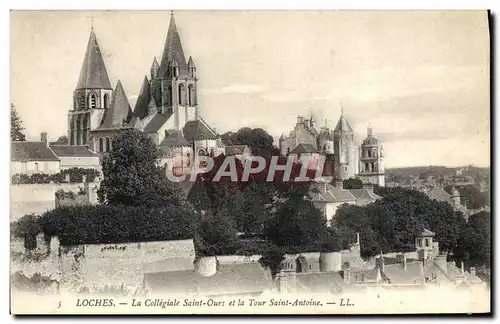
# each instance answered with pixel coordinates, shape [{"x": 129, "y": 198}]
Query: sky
[{"x": 420, "y": 78}]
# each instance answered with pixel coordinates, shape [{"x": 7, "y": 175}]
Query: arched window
[
  {"x": 188, "y": 158},
  {"x": 92, "y": 100},
  {"x": 101, "y": 145},
  {"x": 108, "y": 144},
  {"x": 170, "y": 95},
  {"x": 191, "y": 94},
  {"x": 181, "y": 94},
  {"x": 105, "y": 101}
]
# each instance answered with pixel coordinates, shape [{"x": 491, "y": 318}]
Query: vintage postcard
[{"x": 250, "y": 162}]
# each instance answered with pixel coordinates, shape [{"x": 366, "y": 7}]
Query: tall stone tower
[
  {"x": 346, "y": 156},
  {"x": 92, "y": 95},
  {"x": 174, "y": 82},
  {"x": 371, "y": 165}
]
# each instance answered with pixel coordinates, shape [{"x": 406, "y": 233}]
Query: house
[
  {"x": 33, "y": 157},
  {"x": 76, "y": 156},
  {"x": 328, "y": 198}
]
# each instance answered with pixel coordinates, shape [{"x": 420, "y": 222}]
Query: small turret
[
  {"x": 154, "y": 69},
  {"x": 191, "y": 68}
]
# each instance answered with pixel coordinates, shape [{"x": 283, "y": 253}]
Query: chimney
[
  {"x": 462, "y": 267},
  {"x": 282, "y": 282},
  {"x": 339, "y": 183},
  {"x": 357, "y": 238},
  {"x": 44, "y": 138},
  {"x": 291, "y": 281},
  {"x": 472, "y": 271},
  {"x": 380, "y": 262},
  {"x": 346, "y": 274},
  {"x": 401, "y": 258}
]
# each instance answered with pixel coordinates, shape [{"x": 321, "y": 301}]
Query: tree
[
  {"x": 474, "y": 246},
  {"x": 62, "y": 140},
  {"x": 296, "y": 223},
  {"x": 470, "y": 196},
  {"x": 131, "y": 174},
  {"x": 16, "y": 128},
  {"x": 216, "y": 234},
  {"x": 353, "y": 184},
  {"x": 257, "y": 139}
]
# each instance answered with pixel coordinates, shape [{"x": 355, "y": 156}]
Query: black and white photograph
[{"x": 321, "y": 162}]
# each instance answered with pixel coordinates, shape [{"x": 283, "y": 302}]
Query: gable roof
[
  {"x": 229, "y": 279},
  {"x": 93, "y": 73},
  {"x": 174, "y": 139},
  {"x": 438, "y": 193},
  {"x": 320, "y": 282},
  {"x": 332, "y": 194},
  {"x": 31, "y": 151},
  {"x": 196, "y": 130},
  {"x": 172, "y": 52},
  {"x": 157, "y": 122},
  {"x": 364, "y": 194},
  {"x": 72, "y": 150},
  {"x": 236, "y": 149},
  {"x": 118, "y": 111},
  {"x": 142, "y": 103},
  {"x": 304, "y": 148},
  {"x": 426, "y": 232}
]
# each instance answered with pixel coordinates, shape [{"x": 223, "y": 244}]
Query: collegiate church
[
  {"x": 167, "y": 111},
  {"x": 166, "y": 108}
]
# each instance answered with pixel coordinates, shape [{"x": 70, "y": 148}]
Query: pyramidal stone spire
[
  {"x": 173, "y": 50},
  {"x": 119, "y": 110},
  {"x": 343, "y": 124},
  {"x": 93, "y": 74},
  {"x": 141, "y": 105}
]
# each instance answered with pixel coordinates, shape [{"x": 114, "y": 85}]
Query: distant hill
[{"x": 438, "y": 171}]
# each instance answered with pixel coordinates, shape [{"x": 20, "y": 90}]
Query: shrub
[{"x": 117, "y": 224}]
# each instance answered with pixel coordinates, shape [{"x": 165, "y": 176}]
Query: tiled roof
[
  {"x": 31, "y": 151},
  {"x": 118, "y": 111},
  {"x": 320, "y": 282},
  {"x": 304, "y": 148},
  {"x": 170, "y": 264},
  {"x": 142, "y": 103},
  {"x": 235, "y": 149},
  {"x": 426, "y": 232},
  {"x": 197, "y": 130},
  {"x": 365, "y": 275},
  {"x": 72, "y": 150},
  {"x": 332, "y": 194},
  {"x": 414, "y": 273},
  {"x": 364, "y": 194},
  {"x": 93, "y": 73},
  {"x": 174, "y": 139},
  {"x": 343, "y": 125},
  {"x": 173, "y": 51},
  {"x": 229, "y": 279},
  {"x": 437, "y": 193},
  {"x": 156, "y": 123}
]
